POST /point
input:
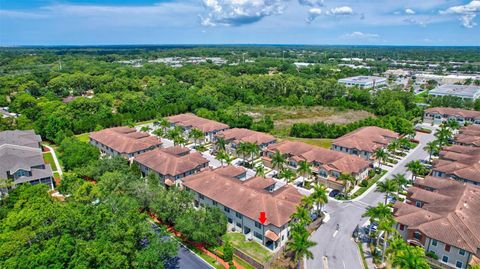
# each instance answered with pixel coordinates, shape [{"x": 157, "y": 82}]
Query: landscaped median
[{"x": 370, "y": 184}]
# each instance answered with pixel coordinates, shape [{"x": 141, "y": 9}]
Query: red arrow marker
[{"x": 262, "y": 218}]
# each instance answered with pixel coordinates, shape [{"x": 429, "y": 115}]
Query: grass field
[
  {"x": 49, "y": 159},
  {"x": 83, "y": 137},
  {"x": 285, "y": 117},
  {"x": 252, "y": 248},
  {"x": 320, "y": 142}
]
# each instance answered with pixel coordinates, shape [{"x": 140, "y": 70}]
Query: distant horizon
[
  {"x": 232, "y": 45},
  {"x": 430, "y": 23}
]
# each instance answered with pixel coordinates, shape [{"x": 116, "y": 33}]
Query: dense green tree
[
  {"x": 205, "y": 225},
  {"x": 76, "y": 154}
]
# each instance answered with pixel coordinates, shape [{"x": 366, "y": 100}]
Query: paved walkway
[{"x": 55, "y": 159}]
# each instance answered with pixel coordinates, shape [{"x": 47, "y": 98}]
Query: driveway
[
  {"x": 186, "y": 259},
  {"x": 338, "y": 247}
]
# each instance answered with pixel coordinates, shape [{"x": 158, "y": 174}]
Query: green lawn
[
  {"x": 370, "y": 183},
  {"x": 83, "y": 137},
  {"x": 207, "y": 258},
  {"x": 252, "y": 248},
  {"x": 49, "y": 160},
  {"x": 320, "y": 142}
]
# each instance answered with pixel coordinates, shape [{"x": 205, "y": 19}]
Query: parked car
[{"x": 334, "y": 193}]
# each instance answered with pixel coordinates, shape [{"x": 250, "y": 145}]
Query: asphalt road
[
  {"x": 337, "y": 248},
  {"x": 185, "y": 259}
]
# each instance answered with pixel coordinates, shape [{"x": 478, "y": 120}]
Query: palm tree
[
  {"x": 381, "y": 211},
  {"x": 299, "y": 245},
  {"x": 304, "y": 169},
  {"x": 347, "y": 180},
  {"x": 432, "y": 147},
  {"x": 388, "y": 187},
  {"x": 386, "y": 225},
  {"x": 260, "y": 171},
  {"x": 302, "y": 215},
  {"x": 196, "y": 135},
  {"x": 452, "y": 124},
  {"x": 393, "y": 146},
  {"x": 443, "y": 136},
  {"x": 174, "y": 133},
  {"x": 400, "y": 180},
  {"x": 221, "y": 156},
  {"x": 395, "y": 244},
  {"x": 164, "y": 124},
  {"x": 416, "y": 168},
  {"x": 381, "y": 155},
  {"x": 145, "y": 129},
  {"x": 253, "y": 150},
  {"x": 5, "y": 185},
  {"x": 403, "y": 143},
  {"x": 158, "y": 132},
  {"x": 307, "y": 201},
  {"x": 180, "y": 140},
  {"x": 220, "y": 143},
  {"x": 287, "y": 174},
  {"x": 278, "y": 161},
  {"x": 242, "y": 150},
  {"x": 411, "y": 257},
  {"x": 319, "y": 196}
]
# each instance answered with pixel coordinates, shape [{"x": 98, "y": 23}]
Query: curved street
[{"x": 337, "y": 250}]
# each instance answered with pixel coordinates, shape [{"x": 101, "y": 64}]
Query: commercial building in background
[
  {"x": 21, "y": 159},
  {"x": 466, "y": 92},
  {"x": 461, "y": 163},
  {"x": 190, "y": 121},
  {"x": 171, "y": 164},
  {"x": 327, "y": 165},
  {"x": 423, "y": 78},
  {"x": 364, "y": 141},
  {"x": 442, "y": 216},
  {"x": 124, "y": 141},
  {"x": 364, "y": 82},
  {"x": 438, "y": 115},
  {"x": 235, "y": 136},
  {"x": 242, "y": 201}
]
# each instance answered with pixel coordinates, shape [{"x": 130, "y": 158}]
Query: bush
[
  {"x": 228, "y": 252},
  {"x": 364, "y": 183},
  {"x": 432, "y": 255},
  {"x": 371, "y": 173},
  {"x": 231, "y": 265}
]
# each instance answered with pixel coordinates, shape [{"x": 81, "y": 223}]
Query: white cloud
[
  {"x": 467, "y": 13},
  {"x": 311, "y": 3},
  {"x": 345, "y": 10},
  {"x": 313, "y": 13},
  {"x": 360, "y": 35},
  {"x": 409, "y": 11},
  {"x": 239, "y": 12}
]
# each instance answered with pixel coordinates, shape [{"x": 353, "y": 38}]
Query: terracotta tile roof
[
  {"x": 278, "y": 205},
  {"x": 271, "y": 235},
  {"x": 191, "y": 120},
  {"x": 259, "y": 182},
  {"x": 230, "y": 171},
  {"x": 125, "y": 140},
  {"x": 367, "y": 139},
  {"x": 450, "y": 213},
  {"x": 459, "y": 161},
  {"x": 449, "y": 111},
  {"x": 469, "y": 135},
  {"x": 329, "y": 159},
  {"x": 166, "y": 162},
  {"x": 246, "y": 135}
]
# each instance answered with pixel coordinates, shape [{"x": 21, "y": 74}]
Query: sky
[{"x": 313, "y": 22}]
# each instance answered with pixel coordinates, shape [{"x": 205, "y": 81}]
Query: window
[
  {"x": 215, "y": 203},
  {"x": 434, "y": 242},
  {"x": 445, "y": 259},
  {"x": 226, "y": 209},
  {"x": 402, "y": 227},
  {"x": 459, "y": 264},
  {"x": 238, "y": 215},
  {"x": 230, "y": 220},
  {"x": 461, "y": 252},
  {"x": 257, "y": 235},
  {"x": 258, "y": 225},
  {"x": 239, "y": 224},
  {"x": 418, "y": 204},
  {"x": 447, "y": 248},
  {"x": 201, "y": 196},
  {"x": 417, "y": 235},
  {"x": 246, "y": 230}
]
